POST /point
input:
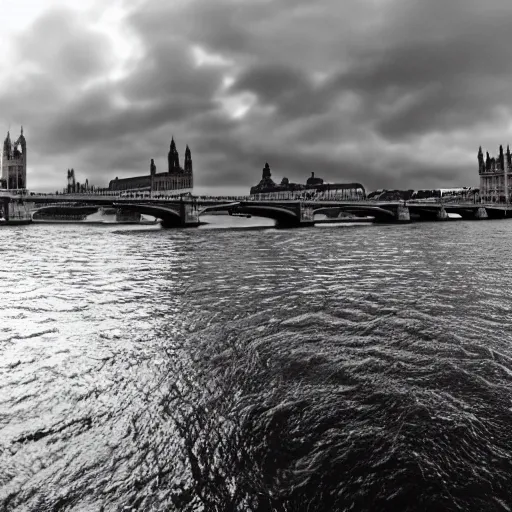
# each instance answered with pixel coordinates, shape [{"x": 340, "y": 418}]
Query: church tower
[
  {"x": 6, "y": 156},
  {"x": 188, "y": 168},
  {"x": 14, "y": 162},
  {"x": 481, "y": 165},
  {"x": 188, "y": 160},
  {"x": 173, "y": 158}
]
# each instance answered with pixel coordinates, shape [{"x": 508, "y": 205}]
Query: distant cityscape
[{"x": 495, "y": 175}]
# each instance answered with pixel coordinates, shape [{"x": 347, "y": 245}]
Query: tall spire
[
  {"x": 173, "y": 158},
  {"x": 480, "y": 156},
  {"x": 7, "y": 154},
  {"x": 188, "y": 160}
]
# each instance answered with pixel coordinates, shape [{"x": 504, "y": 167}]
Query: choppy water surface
[{"x": 335, "y": 368}]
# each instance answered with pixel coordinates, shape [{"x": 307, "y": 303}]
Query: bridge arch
[
  {"x": 367, "y": 210},
  {"x": 283, "y": 216},
  {"x": 170, "y": 217},
  {"x": 63, "y": 210}
]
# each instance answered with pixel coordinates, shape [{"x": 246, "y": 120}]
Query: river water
[{"x": 351, "y": 368}]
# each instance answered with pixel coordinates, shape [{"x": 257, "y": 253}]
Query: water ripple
[{"x": 340, "y": 369}]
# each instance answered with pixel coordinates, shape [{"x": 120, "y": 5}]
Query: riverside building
[
  {"x": 495, "y": 176},
  {"x": 313, "y": 189},
  {"x": 14, "y": 163},
  {"x": 177, "y": 179}
]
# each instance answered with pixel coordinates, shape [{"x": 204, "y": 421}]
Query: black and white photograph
[{"x": 255, "y": 256}]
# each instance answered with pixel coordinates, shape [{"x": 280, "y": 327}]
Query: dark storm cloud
[{"x": 386, "y": 92}]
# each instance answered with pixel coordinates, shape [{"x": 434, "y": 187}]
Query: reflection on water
[
  {"x": 228, "y": 221},
  {"x": 347, "y": 369}
]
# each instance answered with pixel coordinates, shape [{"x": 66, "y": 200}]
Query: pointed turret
[
  {"x": 21, "y": 139},
  {"x": 7, "y": 147},
  {"x": 173, "y": 158},
  {"x": 266, "y": 174},
  {"x": 501, "y": 159},
  {"x": 188, "y": 160},
  {"x": 480, "y": 156}
]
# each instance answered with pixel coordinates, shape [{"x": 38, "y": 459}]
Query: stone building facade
[
  {"x": 495, "y": 176},
  {"x": 175, "y": 179},
  {"x": 314, "y": 188},
  {"x": 14, "y": 163}
]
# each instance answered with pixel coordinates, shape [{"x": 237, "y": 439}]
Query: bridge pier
[
  {"x": 402, "y": 214},
  {"x": 306, "y": 215},
  {"x": 4, "y": 206},
  {"x": 189, "y": 215},
  {"x": 479, "y": 213},
  {"x": 473, "y": 214},
  {"x": 398, "y": 214},
  {"x": 441, "y": 214}
]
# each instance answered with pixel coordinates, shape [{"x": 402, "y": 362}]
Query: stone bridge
[{"x": 186, "y": 212}]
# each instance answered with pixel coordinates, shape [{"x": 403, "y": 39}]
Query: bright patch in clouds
[
  {"x": 237, "y": 106},
  {"x": 21, "y": 13},
  {"x": 126, "y": 47},
  {"x": 204, "y": 58}
]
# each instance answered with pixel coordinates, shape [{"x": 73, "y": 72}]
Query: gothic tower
[
  {"x": 6, "y": 156},
  {"x": 502, "y": 158},
  {"x": 188, "y": 167},
  {"x": 188, "y": 160},
  {"x": 173, "y": 158},
  {"x": 481, "y": 165},
  {"x": 266, "y": 174},
  {"x": 152, "y": 173},
  {"x": 14, "y": 162}
]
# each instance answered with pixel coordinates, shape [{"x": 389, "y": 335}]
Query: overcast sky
[{"x": 390, "y": 93}]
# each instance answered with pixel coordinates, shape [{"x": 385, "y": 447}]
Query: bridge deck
[{"x": 100, "y": 199}]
